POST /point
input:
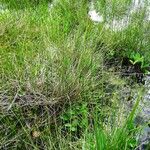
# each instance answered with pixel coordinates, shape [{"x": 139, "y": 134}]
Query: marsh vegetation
[{"x": 70, "y": 82}]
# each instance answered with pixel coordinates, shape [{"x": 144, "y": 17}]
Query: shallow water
[
  {"x": 119, "y": 24},
  {"x": 144, "y": 114},
  {"x": 145, "y": 103}
]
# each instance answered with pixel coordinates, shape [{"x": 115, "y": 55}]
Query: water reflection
[{"x": 119, "y": 24}]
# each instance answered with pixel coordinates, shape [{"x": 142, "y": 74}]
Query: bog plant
[
  {"x": 75, "y": 118},
  {"x": 137, "y": 58}
]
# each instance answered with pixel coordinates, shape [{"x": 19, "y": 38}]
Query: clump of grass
[
  {"x": 111, "y": 9},
  {"x": 121, "y": 134},
  {"x": 37, "y": 58},
  {"x": 25, "y": 4}
]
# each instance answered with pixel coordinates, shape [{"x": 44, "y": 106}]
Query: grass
[
  {"x": 53, "y": 77},
  {"x": 114, "y": 8}
]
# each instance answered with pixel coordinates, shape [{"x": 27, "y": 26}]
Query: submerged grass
[{"x": 53, "y": 76}]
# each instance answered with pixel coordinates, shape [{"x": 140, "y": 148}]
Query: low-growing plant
[
  {"x": 137, "y": 58},
  {"x": 75, "y": 118}
]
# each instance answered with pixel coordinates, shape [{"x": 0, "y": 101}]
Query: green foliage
[
  {"x": 114, "y": 8},
  {"x": 25, "y": 4},
  {"x": 137, "y": 58},
  {"x": 120, "y": 135},
  {"x": 75, "y": 118}
]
